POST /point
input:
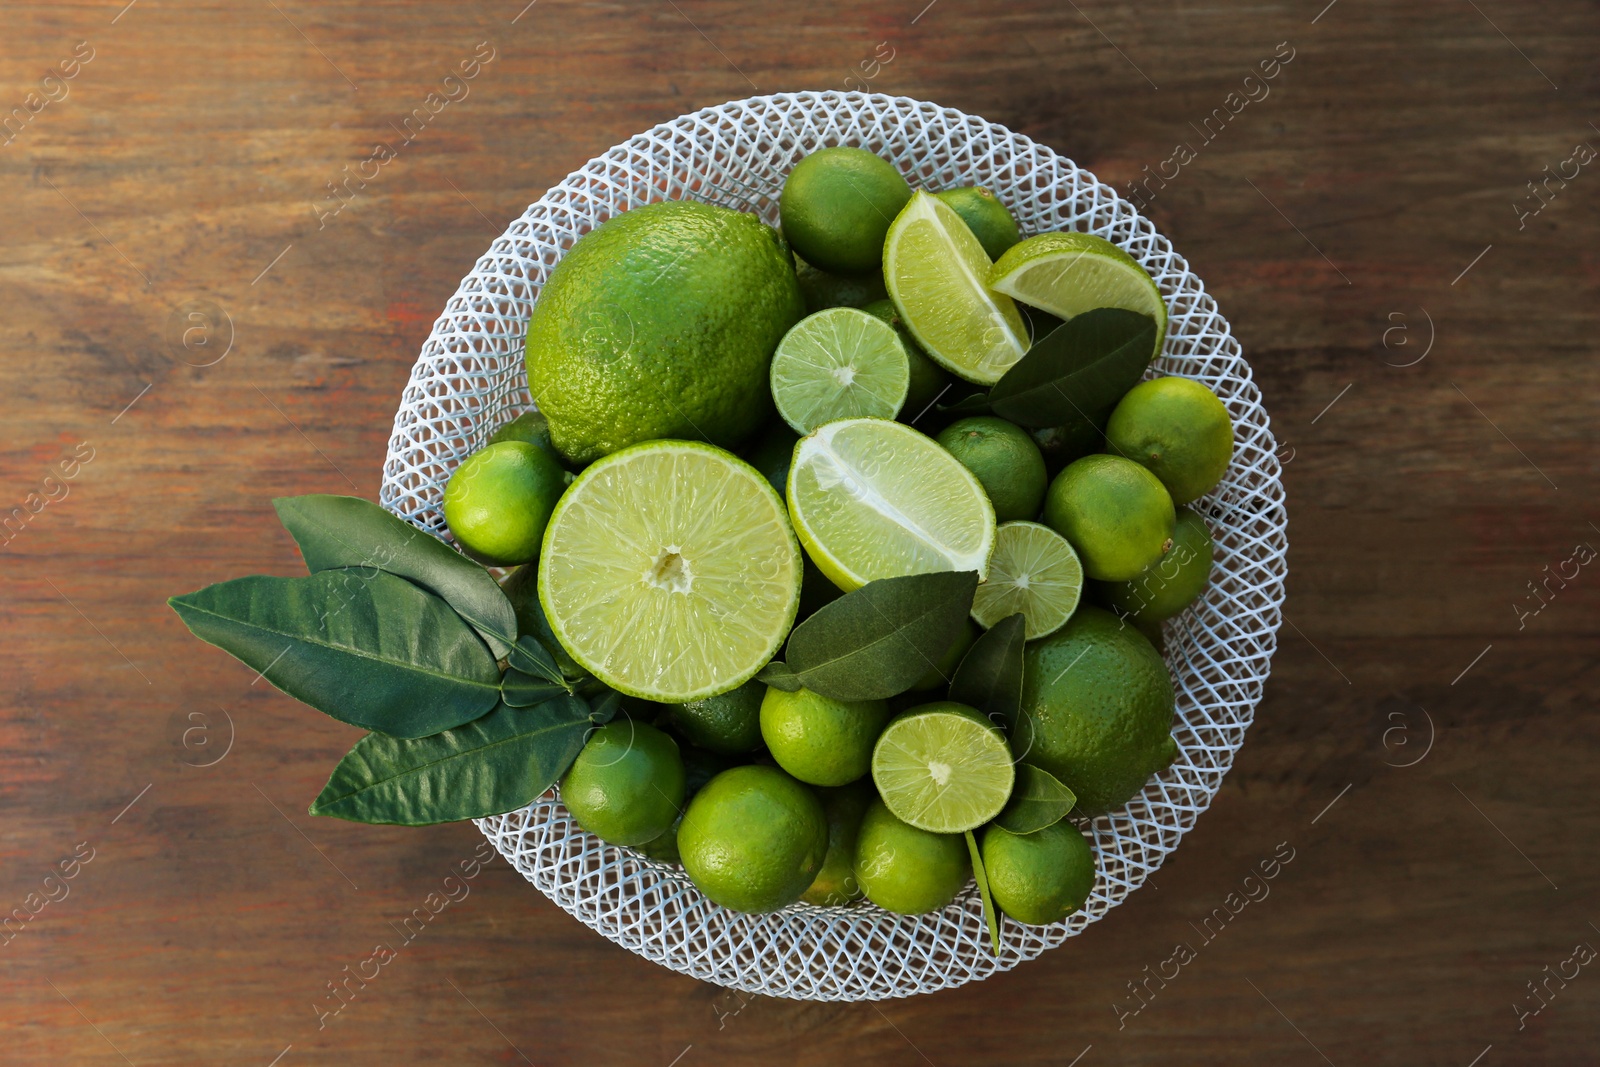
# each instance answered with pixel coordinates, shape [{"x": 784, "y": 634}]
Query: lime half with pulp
[
  {"x": 669, "y": 571},
  {"x": 1033, "y": 570},
  {"x": 943, "y": 767},
  {"x": 839, "y": 364}
]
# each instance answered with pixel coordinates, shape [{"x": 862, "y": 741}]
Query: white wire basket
[{"x": 470, "y": 378}]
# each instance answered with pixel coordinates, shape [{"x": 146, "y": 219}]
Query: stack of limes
[{"x": 667, "y": 570}]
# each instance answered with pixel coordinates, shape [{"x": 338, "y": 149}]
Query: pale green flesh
[
  {"x": 839, "y": 364},
  {"x": 1033, "y": 570},
  {"x": 943, "y": 772}
]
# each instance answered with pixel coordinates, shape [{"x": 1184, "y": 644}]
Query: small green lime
[
  {"x": 1172, "y": 583},
  {"x": 1177, "y": 428},
  {"x": 498, "y": 502},
  {"x": 1038, "y": 878},
  {"x": 985, "y": 216},
  {"x": 1005, "y": 460},
  {"x": 753, "y": 839},
  {"x": 729, "y": 723},
  {"x": 823, "y": 290},
  {"x": 820, "y": 740},
  {"x": 941, "y": 672},
  {"x": 836, "y": 883},
  {"x": 627, "y": 784},
  {"x": 1116, "y": 514},
  {"x": 1060, "y": 445},
  {"x": 943, "y": 767},
  {"x": 928, "y": 380},
  {"x": 530, "y": 426},
  {"x": 906, "y": 870},
  {"x": 837, "y": 205}
]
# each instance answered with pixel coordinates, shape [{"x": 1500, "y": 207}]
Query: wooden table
[{"x": 1418, "y": 316}]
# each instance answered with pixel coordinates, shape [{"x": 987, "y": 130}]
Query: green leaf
[
  {"x": 522, "y": 690},
  {"x": 1037, "y": 800},
  {"x": 1078, "y": 371},
  {"x": 368, "y": 649},
  {"x": 878, "y": 641},
  {"x": 778, "y": 675},
  {"x": 990, "y": 675},
  {"x": 522, "y": 588},
  {"x": 603, "y": 707},
  {"x": 979, "y": 875},
  {"x": 499, "y": 763},
  {"x": 531, "y": 657},
  {"x": 347, "y": 531},
  {"x": 971, "y": 404}
]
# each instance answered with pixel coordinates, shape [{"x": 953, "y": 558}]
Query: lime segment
[
  {"x": 839, "y": 364},
  {"x": 669, "y": 571},
  {"x": 1067, "y": 274},
  {"x": 875, "y": 499},
  {"x": 1035, "y": 571},
  {"x": 936, "y": 273},
  {"x": 943, "y": 768}
]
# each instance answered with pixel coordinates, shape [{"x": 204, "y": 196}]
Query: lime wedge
[
  {"x": 669, "y": 571},
  {"x": 876, "y": 499},
  {"x": 1033, "y": 570},
  {"x": 943, "y": 767},
  {"x": 1067, "y": 274},
  {"x": 936, "y": 272},
  {"x": 839, "y": 364}
]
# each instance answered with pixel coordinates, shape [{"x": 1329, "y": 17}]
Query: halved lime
[
  {"x": 839, "y": 364},
  {"x": 1033, "y": 570},
  {"x": 943, "y": 767},
  {"x": 669, "y": 571},
  {"x": 936, "y": 273},
  {"x": 875, "y": 499},
  {"x": 1069, "y": 273}
]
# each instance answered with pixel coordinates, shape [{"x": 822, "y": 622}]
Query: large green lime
[
  {"x": 906, "y": 870},
  {"x": 498, "y": 502},
  {"x": 1116, "y": 514},
  {"x": 753, "y": 839},
  {"x": 1177, "y": 428},
  {"x": 627, "y": 784},
  {"x": 661, "y": 323},
  {"x": 1005, "y": 460},
  {"x": 837, "y": 205},
  {"x": 820, "y": 740},
  {"x": 1038, "y": 878}
]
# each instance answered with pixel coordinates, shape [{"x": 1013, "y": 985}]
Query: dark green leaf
[
  {"x": 971, "y": 404},
  {"x": 497, "y": 764},
  {"x": 531, "y": 657},
  {"x": 778, "y": 675},
  {"x": 522, "y": 690},
  {"x": 878, "y": 641},
  {"x": 522, "y": 588},
  {"x": 346, "y": 531},
  {"x": 1078, "y": 370},
  {"x": 367, "y": 648},
  {"x": 979, "y": 875},
  {"x": 990, "y": 675},
  {"x": 603, "y": 707},
  {"x": 1037, "y": 800}
]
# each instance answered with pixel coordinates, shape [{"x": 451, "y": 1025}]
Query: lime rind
[
  {"x": 1033, "y": 570},
  {"x": 871, "y": 499},
  {"x": 840, "y": 363},
  {"x": 1069, "y": 273},
  {"x": 945, "y": 769},
  {"x": 937, "y": 274},
  {"x": 669, "y": 571}
]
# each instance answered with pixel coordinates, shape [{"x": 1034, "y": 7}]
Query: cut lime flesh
[
  {"x": 1033, "y": 570},
  {"x": 669, "y": 571},
  {"x": 937, "y": 274},
  {"x": 1067, "y": 274},
  {"x": 839, "y": 364},
  {"x": 943, "y": 768},
  {"x": 876, "y": 499}
]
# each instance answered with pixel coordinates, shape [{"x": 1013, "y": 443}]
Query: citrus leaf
[
  {"x": 347, "y": 531},
  {"x": 990, "y": 675},
  {"x": 1037, "y": 800},
  {"x": 522, "y": 690},
  {"x": 496, "y": 764},
  {"x": 529, "y": 656},
  {"x": 603, "y": 707},
  {"x": 1078, "y": 371},
  {"x": 878, "y": 641},
  {"x": 779, "y": 675},
  {"x": 521, "y": 587},
  {"x": 990, "y": 917},
  {"x": 366, "y": 648}
]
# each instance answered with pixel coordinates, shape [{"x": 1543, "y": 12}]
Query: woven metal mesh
[{"x": 469, "y": 379}]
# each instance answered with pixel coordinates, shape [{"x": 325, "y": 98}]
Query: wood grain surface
[{"x": 1420, "y": 319}]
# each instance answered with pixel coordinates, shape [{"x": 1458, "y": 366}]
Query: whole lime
[
  {"x": 823, "y": 290},
  {"x": 1060, "y": 445},
  {"x": 627, "y": 784},
  {"x": 1005, "y": 460},
  {"x": 1173, "y": 582},
  {"x": 1178, "y": 429},
  {"x": 498, "y": 502},
  {"x": 985, "y": 216},
  {"x": 836, "y": 883},
  {"x": 661, "y": 323},
  {"x": 1038, "y": 878},
  {"x": 728, "y": 723},
  {"x": 837, "y": 205},
  {"x": 1097, "y": 707},
  {"x": 530, "y": 426},
  {"x": 945, "y": 668},
  {"x": 906, "y": 870},
  {"x": 929, "y": 381},
  {"x": 820, "y": 740},
  {"x": 1116, "y": 514},
  {"x": 753, "y": 839}
]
